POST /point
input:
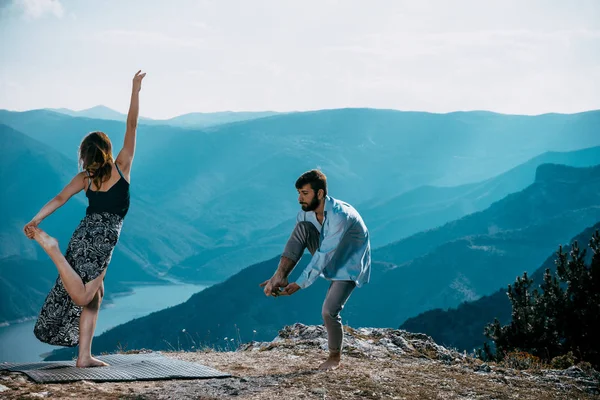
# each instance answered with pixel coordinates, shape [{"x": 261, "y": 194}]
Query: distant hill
[
  {"x": 462, "y": 327},
  {"x": 203, "y": 120},
  {"x": 191, "y": 120},
  {"x": 25, "y": 283},
  {"x": 417, "y": 210},
  {"x": 465, "y": 259},
  {"x": 35, "y": 173},
  {"x": 32, "y": 174},
  {"x": 97, "y": 112},
  {"x": 556, "y": 190},
  {"x": 428, "y": 207},
  {"x": 231, "y": 186}
]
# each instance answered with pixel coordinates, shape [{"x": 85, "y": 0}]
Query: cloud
[
  {"x": 511, "y": 54},
  {"x": 146, "y": 38},
  {"x": 408, "y": 44},
  {"x": 36, "y": 9},
  {"x": 196, "y": 73},
  {"x": 200, "y": 25},
  {"x": 9, "y": 85}
]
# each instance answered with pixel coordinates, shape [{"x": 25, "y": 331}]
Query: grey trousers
[{"x": 306, "y": 236}]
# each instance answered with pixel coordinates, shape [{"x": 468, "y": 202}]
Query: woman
[{"x": 69, "y": 314}]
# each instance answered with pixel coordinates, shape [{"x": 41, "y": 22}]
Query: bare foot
[
  {"x": 87, "y": 362},
  {"x": 332, "y": 363},
  {"x": 46, "y": 241}
]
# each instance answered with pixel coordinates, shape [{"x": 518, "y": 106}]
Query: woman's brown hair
[{"x": 95, "y": 157}]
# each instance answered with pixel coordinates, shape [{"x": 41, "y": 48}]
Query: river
[{"x": 18, "y": 344}]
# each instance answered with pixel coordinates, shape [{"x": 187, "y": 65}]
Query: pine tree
[
  {"x": 519, "y": 331},
  {"x": 548, "y": 311},
  {"x": 562, "y": 316}
]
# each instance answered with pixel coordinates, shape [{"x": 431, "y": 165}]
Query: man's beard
[{"x": 312, "y": 206}]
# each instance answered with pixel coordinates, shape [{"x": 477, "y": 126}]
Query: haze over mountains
[
  {"x": 191, "y": 120},
  {"x": 32, "y": 174},
  {"x": 457, "y": 205},
  {"x": 462, "y": 327},
  {"x": 218, "y": 181}
]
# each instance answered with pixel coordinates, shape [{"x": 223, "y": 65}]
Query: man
[{"x": 338, "y": 240}]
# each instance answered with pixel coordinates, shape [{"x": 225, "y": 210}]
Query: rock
[
  {"x": 303, "y": 332},
  {"x": 367, "y": 342},
  {"x": 574, "y": 372},
  {"x": 483, "y": 368},
  {"x": 3, "y": 388},
  {"x": 40, "y": 395}
]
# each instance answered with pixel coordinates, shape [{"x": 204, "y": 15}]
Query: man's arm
[
  {"x": 284, "y": 269},
  {"x": 286, "y": 265}
]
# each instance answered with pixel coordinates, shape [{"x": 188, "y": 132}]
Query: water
[{"x": 17, "y": 343}]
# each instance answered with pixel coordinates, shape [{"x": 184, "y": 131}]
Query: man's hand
[
  {"x": 137, "y": 81},
  {"x": 271, "y": 286},
  {"x": 290, "y": 289}
]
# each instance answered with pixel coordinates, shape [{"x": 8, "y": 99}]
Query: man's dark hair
[{"x": 315, "y": 178}]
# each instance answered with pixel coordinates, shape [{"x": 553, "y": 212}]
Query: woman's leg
[
  {"x": 81, "y": 293},
  {"x": 87, "y": 326}
]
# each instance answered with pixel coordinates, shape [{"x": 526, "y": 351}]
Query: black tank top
[{"x": 115, "y": 200}]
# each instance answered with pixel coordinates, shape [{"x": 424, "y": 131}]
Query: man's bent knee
[
  {"x": 307, "y": 229},
  {"x": 304, "y": 226}
]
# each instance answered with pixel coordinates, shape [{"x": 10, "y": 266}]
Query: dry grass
[{"x": 291, "y": 373}]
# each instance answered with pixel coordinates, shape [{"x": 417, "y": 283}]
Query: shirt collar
[{"x": 328, "y": 205}]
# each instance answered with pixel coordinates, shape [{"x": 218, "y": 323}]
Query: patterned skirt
[{"x": 89, "y": 252}]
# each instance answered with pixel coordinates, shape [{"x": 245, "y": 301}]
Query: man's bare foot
[
  {"x": 332, "y": 362},
  {"x": 87, "y": 362},
  {"x": 46, "y": 241}
]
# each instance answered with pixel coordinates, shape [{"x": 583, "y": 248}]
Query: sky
[{"x": 516, "y": 57}]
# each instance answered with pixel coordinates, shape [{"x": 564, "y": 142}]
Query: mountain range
[
  {"x": 461, "y": 260},
  {"x": 462, "y": 327},
  {"x": 202, "y": 225},
  {"x": 190, "y": 120}
]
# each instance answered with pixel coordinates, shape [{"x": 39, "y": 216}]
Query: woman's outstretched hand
[
  {"x": 29, "y": 228},
  {"x": 137, "y": 81}
]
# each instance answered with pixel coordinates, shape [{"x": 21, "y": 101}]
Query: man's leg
[
  {"x": 337, "y": 296},
  {"x": 304, "y": 236}
]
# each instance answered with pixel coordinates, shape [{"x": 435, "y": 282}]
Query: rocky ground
[{"x": 377, "y": 364}]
